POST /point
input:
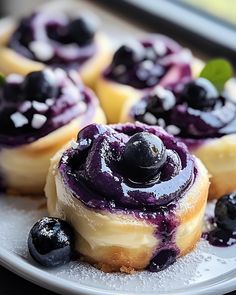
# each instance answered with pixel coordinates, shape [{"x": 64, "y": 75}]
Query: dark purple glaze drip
[
  {"x": 194, "y": 126},
  {"x": 21, "y": 120},
  {"x": 91, "y": 170},
  {"x": 219, "y": 237},
  {"x": 47, "y": 31},
  {"x": 95, "y": 162},
  {"x": 162, "y": 59}
]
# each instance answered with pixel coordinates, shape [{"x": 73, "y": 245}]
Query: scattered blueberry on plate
[{"x": 51, "y": 242}]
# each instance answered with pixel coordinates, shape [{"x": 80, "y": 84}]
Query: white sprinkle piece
[
  {"x": 147, "y": 64},
  {"x": 150, "y": 118},
  {"x": 161, "y": 122},
  {"x": 160, "y": 48},
  {"x": 172, "y": 129},
  {"x": 38, "y": 121},
  {"x": 49, "y": 102},
  {"x": 74, "y": 144},
  {"x": 19, "y": 120},
  {"x": 120, "y": 69},
  {"x": 25, "y": 106},
  {"x": 82, "y": 106},
  {"x": 160, "y": 91},
  {"x": 60, "y": 74},
  {"x": 70, "y": 91},
  {"x": 42, "y": 50},
  {"x": 14, "y": 78},
  {"x": 39, "y": 106}
]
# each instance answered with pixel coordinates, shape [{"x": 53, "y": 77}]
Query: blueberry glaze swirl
[
  {"x": 93, "y": 170},
  {"x": 192, "y": 111},
  {"x": 55, "y": 38},
  {"x": 146, "y": 63},
  {"x": 40, "y": 103}
]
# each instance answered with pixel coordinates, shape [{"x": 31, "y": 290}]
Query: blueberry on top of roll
[
  {"x": 146, "y": 63},
  {"x": 198, "y": 111},
  {"x": 57, "y": 38},
  {"x": 129, "y": 166},
  {"x": 40, "y": 103}
]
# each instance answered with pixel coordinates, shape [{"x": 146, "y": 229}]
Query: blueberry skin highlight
[
  {"x": 144, "y": 155},
  {"x": 51, "y": 242},
  {"x": 82, "y": 30},
  {"x": 40, "y": 85},
  {"x": 200, "y": 94}
]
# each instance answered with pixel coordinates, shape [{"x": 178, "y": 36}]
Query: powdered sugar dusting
[{"x": 201, "y": 265}]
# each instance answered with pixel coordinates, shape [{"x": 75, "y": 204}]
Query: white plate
[{"x": 207, "y": 270}]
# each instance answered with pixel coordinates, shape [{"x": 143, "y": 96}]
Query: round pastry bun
[
  {"x": 24, "y": 169},
  {"x": 13, "y": 62},
  {"x": 115, "y": 97},
  {"x": 219, "y": 156},
  {"x": 121, "y": 242}
]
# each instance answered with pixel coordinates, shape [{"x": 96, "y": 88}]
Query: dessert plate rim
[{"x": 20, "y": 266}]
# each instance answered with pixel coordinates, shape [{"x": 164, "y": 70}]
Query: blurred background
[
  {"x": 207, "y": 26},
  {"x": 224, "y": 9}
]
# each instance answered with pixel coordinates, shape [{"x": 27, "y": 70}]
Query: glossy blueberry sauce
[
  {"x": 25, "y": 121},
  {"x": 47, "y": 31},
  {"x": 162, "y": 58},
  {"x": 194, "y": 126},
  {"x": 92, "y": 170},
  {"x": 219, "y": 237}
]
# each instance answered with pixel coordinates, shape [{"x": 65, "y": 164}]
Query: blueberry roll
[
  {"x": 133, "y": 194},
  {"x": 138, "y": 67},
  {"x": 56, "y": 39},
  {"x": 39, "y": 113},
  {"x": 202, "y": 116}
]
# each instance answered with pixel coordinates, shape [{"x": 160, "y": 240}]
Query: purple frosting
[
  {"x": 25, "y": 121},
  {"x": 93, "y": 171},
  {"x": 193, "y": 125},
  {"x": 163, "y": 59},
  {"x": 46, "y": 31}
]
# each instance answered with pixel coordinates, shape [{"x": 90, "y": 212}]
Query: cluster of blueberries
[
  {"x": 199, "y": 94},
  {"x": 136, "y": 65},
  {"x": 38, "y": 85},
  {"x": 64, "y": 34}
]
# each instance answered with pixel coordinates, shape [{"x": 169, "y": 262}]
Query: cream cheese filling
[
  {"x": 96, "y": 229},
  {"x": 24, "y": 169}
]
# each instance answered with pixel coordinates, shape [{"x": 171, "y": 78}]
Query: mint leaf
[
  {"x": 2, "y": 79},
  {"x": 218, "y": 71}
]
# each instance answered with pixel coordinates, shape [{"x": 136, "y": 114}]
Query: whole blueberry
[
  {"x": 40, "y": 85},
  {"x": 51, "y": 242},
  {"x": 82, "y": 30},
  {"x": 143, "y": 156},
  {"x": 225, "y": 212},
  {"x": 128, "y": 55},
  {"x": 200, "y": 94},
  {"x": 161, "y": 100}
]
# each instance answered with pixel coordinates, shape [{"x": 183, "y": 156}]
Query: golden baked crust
[
  {"x": 25, "y": 168},
  {"x": 12, "y": 62},
  {"x": 113, "y": 96},
  {"x": 219, "y": 156},
  {"x": 116, "y": 242}
]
